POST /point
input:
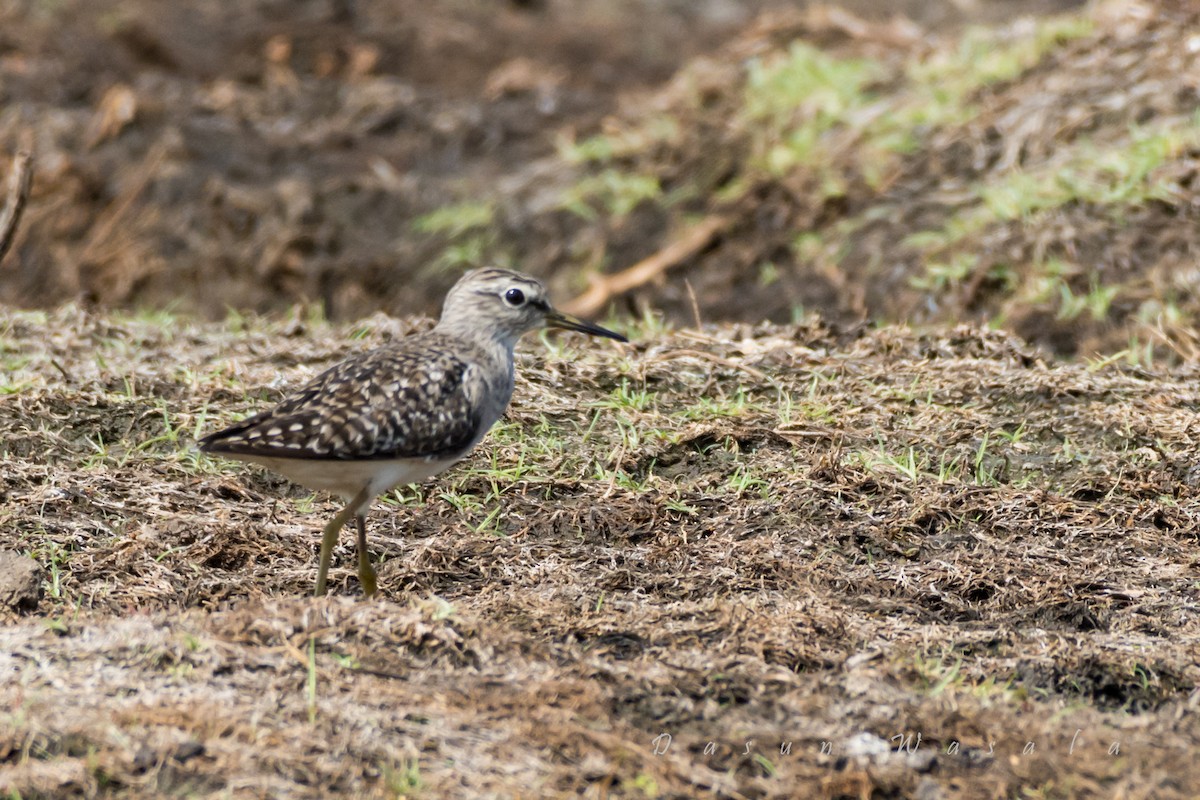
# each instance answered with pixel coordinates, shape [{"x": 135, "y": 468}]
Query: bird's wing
[{"x": 401, "y": 402}]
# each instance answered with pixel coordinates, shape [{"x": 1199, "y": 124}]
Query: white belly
[{"x": 347, "y": 478}]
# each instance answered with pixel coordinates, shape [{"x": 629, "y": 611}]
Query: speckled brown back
[{"x": 422, "y": 397}]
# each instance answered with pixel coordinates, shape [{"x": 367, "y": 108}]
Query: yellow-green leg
[
  {"x": 366, "y": 573},
  {"x": 329, "y": 538}
]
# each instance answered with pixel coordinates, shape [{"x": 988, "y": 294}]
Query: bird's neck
[
  {"x": 492, "y": 345},
  {"x": 492, "y": 340},
  {"x": 497, "y": 370}
]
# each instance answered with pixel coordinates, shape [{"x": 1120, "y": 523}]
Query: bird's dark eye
[{"x": 514, "y": 297}]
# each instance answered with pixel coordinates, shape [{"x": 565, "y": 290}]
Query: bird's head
[{"x": 505, "y": 305}]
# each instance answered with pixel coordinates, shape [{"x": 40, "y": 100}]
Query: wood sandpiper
[{"x": 402, "y": 412}]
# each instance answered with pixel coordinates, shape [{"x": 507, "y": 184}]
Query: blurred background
[{"x": 1024, "y": 163}]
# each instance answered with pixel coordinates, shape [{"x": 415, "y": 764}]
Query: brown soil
[
  {"x": 253, "y": 155},
  {"x": 1134, "y": 69},
  {"x": 891, "y": 535},
  {"x": 742, "y": 560}
]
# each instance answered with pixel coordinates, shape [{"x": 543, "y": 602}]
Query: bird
[{"x": 402, "y": 412}]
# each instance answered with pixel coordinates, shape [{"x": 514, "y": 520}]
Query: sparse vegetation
[
  {"x": 803, "y": 537},
  {"x": 778, "y": 551},
  {"x": 972, "y": 163}
]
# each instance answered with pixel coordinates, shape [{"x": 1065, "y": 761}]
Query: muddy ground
[
  {"x": 858, "y": 550},
  {"x": 767, "y": 538},
  {"x": 256, "y": 155}
]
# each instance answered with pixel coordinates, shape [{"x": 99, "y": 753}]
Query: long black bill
[{"x": 557, "y": 319}]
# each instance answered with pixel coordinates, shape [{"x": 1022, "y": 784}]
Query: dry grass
[
  {"x": 761, "y": 535},
  {"x": 743, "y": 561},
  {"x": 1039, "y": 175}
]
